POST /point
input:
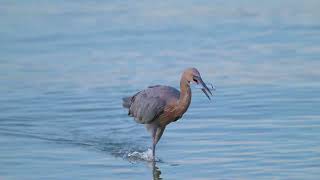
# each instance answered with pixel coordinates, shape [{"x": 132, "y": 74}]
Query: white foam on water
[{"x": 145, "y": 156}]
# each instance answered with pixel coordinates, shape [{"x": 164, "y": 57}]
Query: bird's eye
[{"x": 195, "y": 80}]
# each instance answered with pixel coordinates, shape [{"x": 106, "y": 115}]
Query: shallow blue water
[{"x": 64, "y": 67}]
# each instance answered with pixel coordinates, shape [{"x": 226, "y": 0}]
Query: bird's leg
[
  {"x": 157, "y": 133},
  {"x": 154, "y": 152},
  {"x": 154, "y": 142}
]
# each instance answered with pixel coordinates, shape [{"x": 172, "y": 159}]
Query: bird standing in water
[{"x": 157, "y": 106}]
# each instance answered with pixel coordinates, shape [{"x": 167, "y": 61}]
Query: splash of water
[{"x": 141, "y": 156}]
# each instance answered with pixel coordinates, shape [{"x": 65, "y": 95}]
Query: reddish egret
[{"x": 157, "y": 106}]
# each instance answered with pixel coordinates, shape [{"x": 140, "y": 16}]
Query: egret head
[{"x": 192, "y": 75}]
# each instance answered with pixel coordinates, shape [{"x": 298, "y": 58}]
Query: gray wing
[{"x": 149, "y": 104}]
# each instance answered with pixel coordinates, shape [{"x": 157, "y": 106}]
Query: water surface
[{"x": 64, "y": 67}]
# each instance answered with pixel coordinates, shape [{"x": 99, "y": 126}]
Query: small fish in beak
[{"x": 204, "y": 87}]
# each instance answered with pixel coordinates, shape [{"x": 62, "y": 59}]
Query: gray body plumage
[{"x": 147, "y": 105}]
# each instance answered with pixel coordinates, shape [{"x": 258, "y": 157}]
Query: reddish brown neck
[{"x": 185, "y": 96}]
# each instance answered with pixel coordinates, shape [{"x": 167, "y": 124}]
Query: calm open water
[{"x": 65, "y": 65}]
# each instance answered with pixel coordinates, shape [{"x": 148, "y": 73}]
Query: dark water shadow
[{"x": 156, "y": 172}]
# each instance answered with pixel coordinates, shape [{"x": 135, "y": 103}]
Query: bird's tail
[{"x": 126, "y": 102}]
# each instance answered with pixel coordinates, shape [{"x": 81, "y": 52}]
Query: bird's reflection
[{"x": 156, "y": 171}]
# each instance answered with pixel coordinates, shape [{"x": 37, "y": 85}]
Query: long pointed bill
[{"x": 205, "y": 88}]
